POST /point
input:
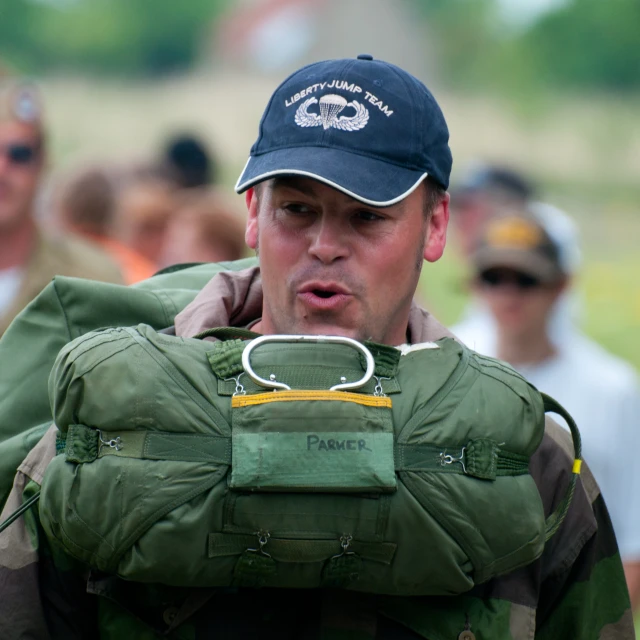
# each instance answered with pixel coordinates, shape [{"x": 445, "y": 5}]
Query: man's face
[
  {"x": 20, "y": 167},
  {"x": 520, "y": 304},
  {"x": 332, "y": 265}
]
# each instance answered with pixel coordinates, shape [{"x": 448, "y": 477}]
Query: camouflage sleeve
[
  {"x": 38, "y": 597},
  {"x": 590, "y": 594},
  {"x": 583, "y": 593},
  {"x": 21, "y": 611}
]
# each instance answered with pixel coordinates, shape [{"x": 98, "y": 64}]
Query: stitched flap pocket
[{"x": 312, "y": 441}]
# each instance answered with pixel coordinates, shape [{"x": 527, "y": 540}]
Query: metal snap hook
[
  {"x": 446, "y": 459},
  {"x": 114, "y": 443},
  {"x": 263, "y": 538},
  {"x": 378, "y": 390},
  {"x": 239, "y": 390},
  {"x": 345, "y": 542}
]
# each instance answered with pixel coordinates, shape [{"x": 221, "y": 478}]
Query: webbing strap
[
  {"x": 288, "y": 550},
  {"x": 479, "y": 458},
  {"x": 84, "y": 444}
]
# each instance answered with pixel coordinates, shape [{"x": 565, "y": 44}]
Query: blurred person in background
[
  {"x": 206, "y": 227},
  {"x": 520, "y": 273},
  {"x": 85, "y": 204},
  {"x": 483, "y": 189},
  {"x": 188, "y": 162},
  {"x": 30, "y": 257},
  {"x": 144, "y": 207}
]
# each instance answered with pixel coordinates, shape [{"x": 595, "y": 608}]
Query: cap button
[{"x": 365, "y": 56}]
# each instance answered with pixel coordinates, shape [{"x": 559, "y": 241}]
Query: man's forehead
[
  {"x": 318, "y": 189},
  {"x": 303, "y": 184}
]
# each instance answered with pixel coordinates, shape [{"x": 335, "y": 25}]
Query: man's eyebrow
[{"x": 291, "y": 182}]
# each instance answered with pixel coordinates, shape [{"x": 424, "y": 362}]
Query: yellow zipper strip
[{"x": 295, "y": 396}]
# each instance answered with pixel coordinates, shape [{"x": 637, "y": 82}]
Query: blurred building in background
[{"x": 279, "y": 36}]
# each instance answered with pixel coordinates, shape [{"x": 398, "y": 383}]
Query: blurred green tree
[
  {"x": 581, "y": 44},
  {"x": 114, "y": 36},
  {"x": 587, "y": 43}
]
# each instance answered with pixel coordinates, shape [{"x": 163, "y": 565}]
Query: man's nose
[{"x": 328, "y": 241}]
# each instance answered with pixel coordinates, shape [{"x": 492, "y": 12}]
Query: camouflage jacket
[
  {"x": 53, "y": 255},
  {"x": 575, "y": 590}
]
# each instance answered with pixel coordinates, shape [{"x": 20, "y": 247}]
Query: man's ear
[
  {"x": 436, "y": 232},
  {"x": 251, "y": 232}
]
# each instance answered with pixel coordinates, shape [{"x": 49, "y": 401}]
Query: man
[
  {"x": 85, "y": 205},
  {"x": 520, "y": 274},
  {"x": 475, "y": 198},
  {"x": 346, "y": 191},
  {"x": 206, "y": 227},
  {"x": 477, "y": 322},
  {"x": 29, "y": 258}
]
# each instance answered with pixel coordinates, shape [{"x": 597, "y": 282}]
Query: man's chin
[{"x": 323, "y": 329}]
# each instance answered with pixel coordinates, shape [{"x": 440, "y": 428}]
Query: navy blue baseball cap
[{"x": 362, "y": 126}]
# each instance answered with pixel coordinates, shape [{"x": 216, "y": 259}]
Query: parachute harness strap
[{"x": 557, "y": 517}]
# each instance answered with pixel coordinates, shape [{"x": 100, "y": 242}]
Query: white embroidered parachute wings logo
[{"x": 330, "y": 107}]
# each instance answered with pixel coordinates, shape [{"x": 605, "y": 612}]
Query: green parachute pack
[
  {"x": 293, "y": 461},
  {"x": 66, "y": 309}
]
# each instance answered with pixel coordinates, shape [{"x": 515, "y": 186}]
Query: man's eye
[
  {"x": 368, "y": 216},
  {"x": 296, "y": 209}
]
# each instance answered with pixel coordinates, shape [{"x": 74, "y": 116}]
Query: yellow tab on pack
[
  {"x": 294, "y": 396},
  {"x": 577, "y": 465}
]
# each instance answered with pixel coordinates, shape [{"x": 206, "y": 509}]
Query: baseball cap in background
[
  {"x": 189, "y": 161},
  {"x": 20, "y": 102},
  {"x": 518, "y": 241},
  {"x": 503, "y": 182},
  {"x": 362, "y": 126}
]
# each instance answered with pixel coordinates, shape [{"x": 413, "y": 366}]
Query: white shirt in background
[
  {"x": 602, "y": 394},
  {"x": 10, "y": 281}
]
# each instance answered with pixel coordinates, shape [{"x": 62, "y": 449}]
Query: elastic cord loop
[{"x": 557, "y": 517}]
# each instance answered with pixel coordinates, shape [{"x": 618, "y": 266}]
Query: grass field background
[{"x": 583, "y": 150}]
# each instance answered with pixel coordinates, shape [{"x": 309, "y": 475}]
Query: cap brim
[
  {"x": 370, "y": 181},
  {"x": 529, "y": 263}
]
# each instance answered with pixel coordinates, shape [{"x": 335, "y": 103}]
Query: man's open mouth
[
  {"x": 323, "y": 294},
  {"x": 325, "y": 297}
]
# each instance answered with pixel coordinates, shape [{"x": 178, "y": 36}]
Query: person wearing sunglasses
[
  {"x": 520, "y": 275},
  {"x": 29, "y": 257}
]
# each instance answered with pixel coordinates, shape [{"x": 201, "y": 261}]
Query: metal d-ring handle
[{"x": 272, "y": 384}]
